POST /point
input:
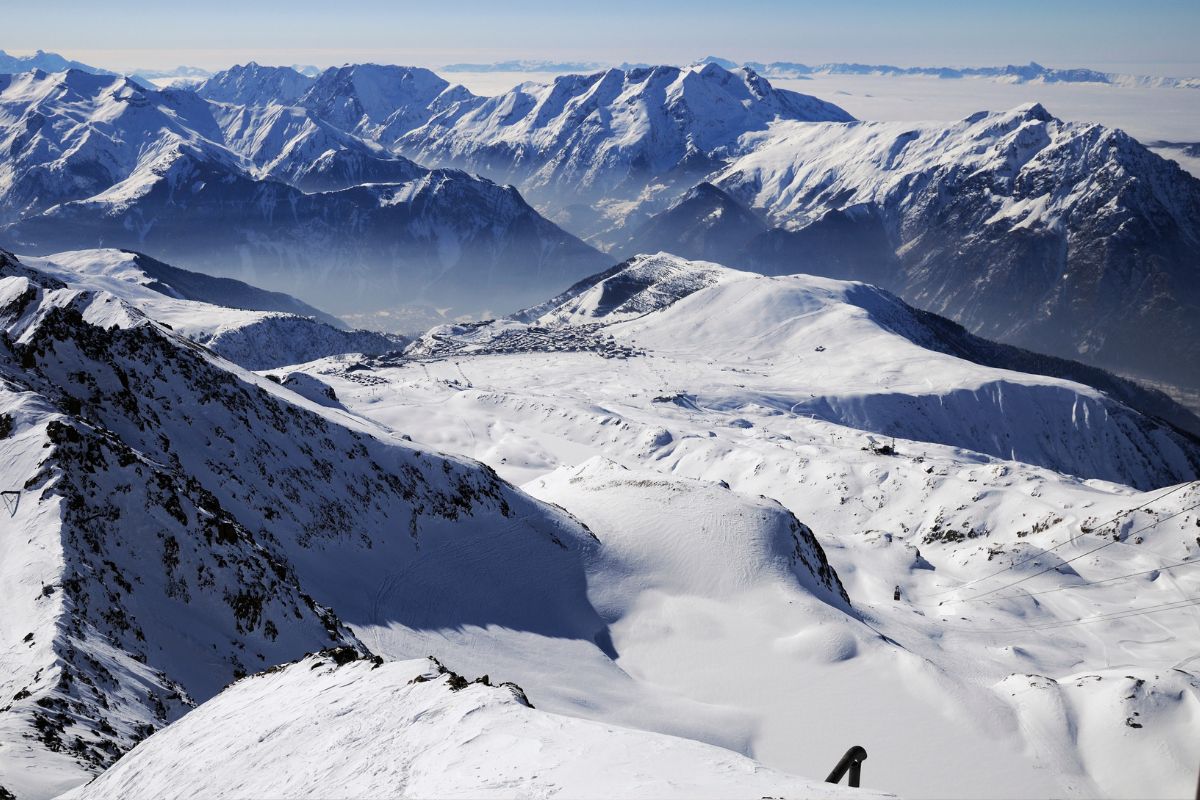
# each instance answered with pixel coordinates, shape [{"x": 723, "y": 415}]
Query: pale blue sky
[{"x": 1158, "y": 36}]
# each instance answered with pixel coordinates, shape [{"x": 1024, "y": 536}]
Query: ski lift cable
[
  {"x": 12, "y": 499},
  {"x": 1026, "y": 560},
  {"x": 1110, "y": 617},
  {"x": 1053, "y": 567},
  {"x": 1190, "y": 563}
]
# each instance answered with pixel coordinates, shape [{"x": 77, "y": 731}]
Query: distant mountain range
[
  {"x": 1067, "y": 238},
  {"x": 586, "y": 148},
  {"x": 48, "y": 62},
  {"x": 345, "y": 190},
  {"x": 1032, "y": 72},
  {"x": 279, "y": 196}
]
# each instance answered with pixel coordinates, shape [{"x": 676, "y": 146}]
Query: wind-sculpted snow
[
  {"x": 182, "y": 522},
  {"x": 1066, "y": 238},
  {"x": 604, "y": 139},
  {"x": 417, "y": 729},
  {"x": 705, "y": 540}
]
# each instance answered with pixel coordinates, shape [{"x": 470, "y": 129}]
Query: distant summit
[{"x": 47, "y": 62}]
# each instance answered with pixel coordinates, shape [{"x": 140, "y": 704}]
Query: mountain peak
[
  {"x": 380, "y": 101},
  {"x": 721, "y": 62},
  {"x": 642, "y": 284},
  {"x": 1034, "y": 111},
  {"x": 252, "y": 84}
]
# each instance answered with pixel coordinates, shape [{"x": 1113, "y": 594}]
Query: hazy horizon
[{"x": 1156, "y": 37}]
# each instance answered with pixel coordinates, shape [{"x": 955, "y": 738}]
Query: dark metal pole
[{"x": 851, "y": 762}]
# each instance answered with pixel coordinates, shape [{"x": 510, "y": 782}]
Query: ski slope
[{"x": 718, "y": 387}]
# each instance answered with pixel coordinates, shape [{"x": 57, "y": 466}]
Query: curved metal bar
[{"x": 852, "y": 763}]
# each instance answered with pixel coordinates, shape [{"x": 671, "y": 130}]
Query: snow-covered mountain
[
  {"x": 291, "y": 144},
  {"x": 527, "y": 65},
  {"x": 417, "y": 729},
  {"x": 382, "y": 103},
  {"x": 255, "y": 85},
  {"x": 373, "y": 101},
  {"x": 778, "y": 514},
  {"x": 129, "y": 268},
  {"x": 1032, "y": 72},
  {"x": 644, "y": 284},
  {"x": 99, "y": 161},
  {"x": 48, "y": 62},
  {"x": 586, "y": 145},
  {"x": 700, "y": 388},
  {"x": 705, "y": 223},
  {"x": 180, "y": 522},
  {"x": 72, "y": 135},
  {"x": 445, "y": 238},
  {"x": 1066, "y": 238},
  {"x": 248, "y": 326},
  {"x": 868, "y": 362}
]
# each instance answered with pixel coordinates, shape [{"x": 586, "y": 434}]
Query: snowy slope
[
  {"x": 601, "y": 140},
  {"x": 117, "y": 270},
  {"x": 320, "y": 728},
  {"x": 689, "y": 538},
  {"x": 1067, "y": 238},
  {"x": 183, "y": 522},
  {"x": 979, "y": 687},
  {"x": 698, "y": 598},
  {"x": 252, "y": 328}
]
